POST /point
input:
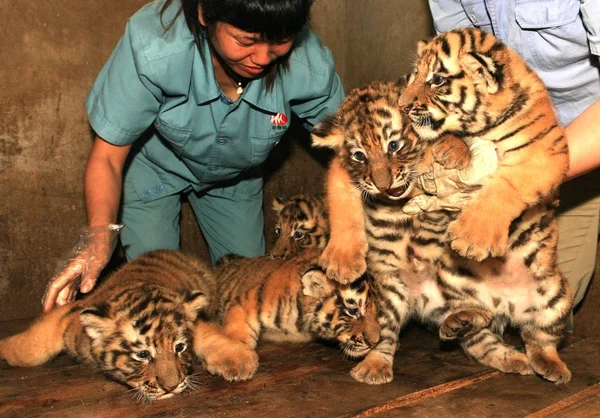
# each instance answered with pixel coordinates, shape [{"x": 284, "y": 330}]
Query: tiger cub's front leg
[
  {"x": 344, "y": 258},
  {"x": 228, "y": 351},
  {"x": 393, "y": 313}
]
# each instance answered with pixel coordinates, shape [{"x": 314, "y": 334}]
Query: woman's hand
[{"x": 91, "y": 254}]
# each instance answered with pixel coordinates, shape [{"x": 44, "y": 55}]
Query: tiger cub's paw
[
  {"x": 234, "y": 361},
  {"x": 464, "y": 323},
  {"x": 344, "y": 264},
  {"x": 517, "y": 363},
  {"x": 551, "y": 367},
  {"x": 478, "y": 233},
  {"x": 375, "y": 369},
  {"x": 452, "y": 152}
]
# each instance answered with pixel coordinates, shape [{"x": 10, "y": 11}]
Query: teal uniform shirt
[{"x": 158, "y": 92}]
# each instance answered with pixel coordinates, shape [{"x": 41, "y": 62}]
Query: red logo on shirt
[{"x": 279, "y": 119}]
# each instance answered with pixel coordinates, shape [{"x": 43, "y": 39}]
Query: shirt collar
[{"x": 205, "y": 88}]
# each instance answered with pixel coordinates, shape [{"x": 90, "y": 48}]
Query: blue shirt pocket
[
  {"x": 477, "y": 13},
  {"x": 263, "y": 143},
  {"x": 175, "y": 137},
  {"x": 553, "y": 36},
  {"x": 546, "y": 13}
]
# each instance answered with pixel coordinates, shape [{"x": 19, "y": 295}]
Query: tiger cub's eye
[
  {"x": 438, "y": 80},
  {"x": 277, "y": 231},
  {"x": 394, "y": 146},
  {"x": 298, "y": 235},
  {"x": 359, "y": 156},
  {"x": 353, "y": 312},
  {"x": 180, "y": 347},
  {"x": 142, "y": 355}
]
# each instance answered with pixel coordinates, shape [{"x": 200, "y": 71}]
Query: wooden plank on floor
[
  {"x": 582, "y": 405},
  {"x": 503, "y": 395}
]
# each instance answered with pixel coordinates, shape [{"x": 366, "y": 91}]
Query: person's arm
[
  {"x": 103, "y": 183},
  {"x": 583, "y": 134}
]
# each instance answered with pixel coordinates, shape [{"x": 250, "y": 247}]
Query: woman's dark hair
[{"x": 274, "y": 20}]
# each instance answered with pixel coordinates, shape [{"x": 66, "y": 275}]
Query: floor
[{"x": 313, "y": 380}]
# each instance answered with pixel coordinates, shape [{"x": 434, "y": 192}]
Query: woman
[{"x": 191, "y": 102}]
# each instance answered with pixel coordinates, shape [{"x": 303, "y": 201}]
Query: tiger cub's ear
[
  {"x": 96, "y": 321},
  {"x": 420, "y": 47},
  {"x": 194, "y": 303},
  {"x": 481, "y": 70},
  {"x": 316, "y": 284},
  {"x": 328, "y": 133},
  {"x": 278, "y": 204}
]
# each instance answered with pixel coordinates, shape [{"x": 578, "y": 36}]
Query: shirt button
[
  {"x": 221, "y": 141},
  {"x": 212, "y": 168},
  {"x": 146, "y": 194}
]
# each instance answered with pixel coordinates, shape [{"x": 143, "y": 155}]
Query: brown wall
[{"x": 51, "y": 53}]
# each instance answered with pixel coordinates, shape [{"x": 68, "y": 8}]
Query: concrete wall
[{"x": 52, "y": 52}]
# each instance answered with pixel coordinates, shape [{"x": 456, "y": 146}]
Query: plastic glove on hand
[{"x": 82, "y": 267}]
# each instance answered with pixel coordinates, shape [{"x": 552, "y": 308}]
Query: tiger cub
[
  {"x": 136, "y": 327},
  {"x": 468, "y": 83},
  {"x": 415, "y": 272},
  {"x": 377, "y": 157},
  {"x": 283, "y": 301},
  {"x": 301, "y": 223}
]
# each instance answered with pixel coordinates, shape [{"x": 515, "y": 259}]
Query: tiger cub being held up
[
  {"x": 468, "y": 83},
  {"x": 283, "y": 301},
  {"x": 136, "y": 327},
  {"x": 301, "y": 223}
]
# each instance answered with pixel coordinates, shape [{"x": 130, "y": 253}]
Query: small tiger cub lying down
[
  {"x": 301, "y": 223},
  {"x": 282, "y": 301},
  {"x": 136, "y": 327}
]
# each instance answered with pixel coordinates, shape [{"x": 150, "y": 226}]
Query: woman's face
[{"x": 245, "y": 52}]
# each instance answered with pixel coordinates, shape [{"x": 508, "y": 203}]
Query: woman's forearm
[
  {"x": 103, "y": 182},
  {"x": 583, "y": 134}
]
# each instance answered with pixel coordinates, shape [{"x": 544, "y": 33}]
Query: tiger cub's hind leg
[
  {"x": 488, "y": 348},
  {"x": 41, "y": 342},
  {"x": 540, "y": 347}
]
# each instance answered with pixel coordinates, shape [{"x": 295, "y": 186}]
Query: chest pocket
[
  {"x": 553, "y": 35},
  {"x": 477, "y": 14},
  {"x": 546, "y": 14},
  {"x": 176, "y": 138},
  {"x": 263, "y": 143}
]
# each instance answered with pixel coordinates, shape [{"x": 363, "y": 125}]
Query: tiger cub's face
[
  {"x": 301, "y": 223},
  {"x": 147, "y": 345},
  {"x": 372, "y": 139},
  {"x": 344, "y": 312},
  {"x": 456, "y": 75}
]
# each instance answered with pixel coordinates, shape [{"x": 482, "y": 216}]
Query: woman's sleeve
[{"x": 123, "y": 101}]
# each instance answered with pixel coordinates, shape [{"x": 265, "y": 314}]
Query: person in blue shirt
[
  {"x": 560, "y": 40},
  {"x": 190, "y": 103}
]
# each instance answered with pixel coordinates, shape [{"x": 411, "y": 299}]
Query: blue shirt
[
  {"x": 157, "y": 91},
  {"x": 555, "y": 37}
]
